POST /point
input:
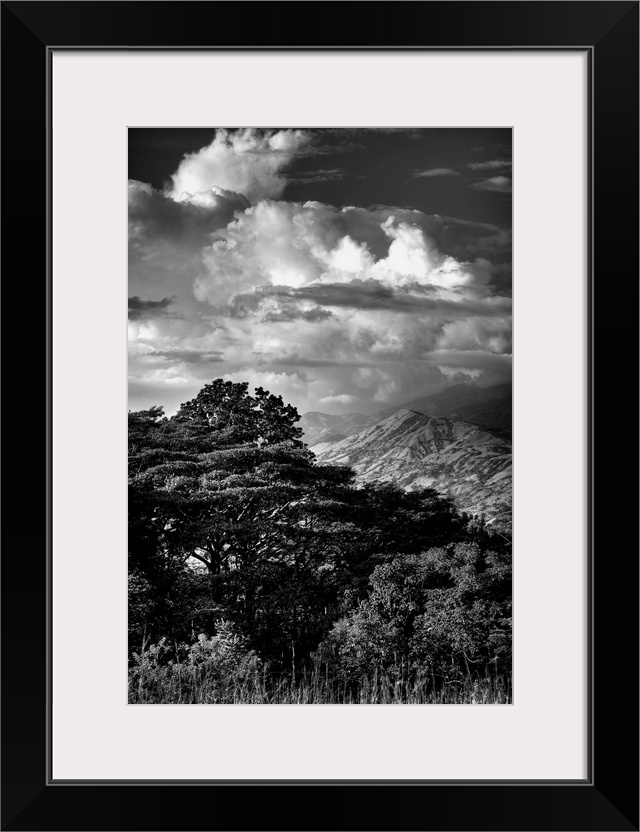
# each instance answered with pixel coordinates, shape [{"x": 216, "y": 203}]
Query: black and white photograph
[{"x": 320, "y": 415}]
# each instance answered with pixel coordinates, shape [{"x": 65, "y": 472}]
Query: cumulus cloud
[
  {"x": 248, "y": 161},
  {"x": 154, "y": 216},
  {"x": 426, "y": 174},
  {"x": 499, "y": 184},
  {"x": 296, "y": 245},
  {"x": 343, "y": 308}
]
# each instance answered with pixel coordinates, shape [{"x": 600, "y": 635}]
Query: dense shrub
[
  {"x": 217, "y": 664},
  {"x": 446, "y": 613}
]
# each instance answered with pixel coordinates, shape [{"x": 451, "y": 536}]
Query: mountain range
[
  {"x": 484, "y": 406},
  {"x": 456, "y": 441}
]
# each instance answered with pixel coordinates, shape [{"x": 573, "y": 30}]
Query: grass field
[{"x": 179, "y": 684}]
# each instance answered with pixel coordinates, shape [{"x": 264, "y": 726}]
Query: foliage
[
  {"x": 154, "y": 679},
  {"x": 446, "y": 612},
  {"x": 216, "y": 663},
  {"x": 228, "y": 409},
  {"x": 234, "y": 528}
]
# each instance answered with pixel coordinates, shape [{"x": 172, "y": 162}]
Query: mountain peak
[
  {"x": 468, "y": 463},
  {"x": 406, "y": 413},
  {"x": 489, "y": 407}
]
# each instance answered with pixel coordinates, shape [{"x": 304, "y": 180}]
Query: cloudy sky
[{"x": 346, "y": 270}]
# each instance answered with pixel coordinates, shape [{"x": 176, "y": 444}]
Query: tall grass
[{"x": 185, "y": 684}]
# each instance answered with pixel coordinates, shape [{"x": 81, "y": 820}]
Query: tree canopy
[
  {"x": 238, "y": 417},
  {"x": 232, "y": 522}
]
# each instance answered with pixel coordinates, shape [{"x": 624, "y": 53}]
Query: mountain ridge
[
  {"x": 466, "y": 462},
  {"x": 483, "y": 406}
]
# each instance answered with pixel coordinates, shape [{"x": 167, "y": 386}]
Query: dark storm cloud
[
  {"x": 369, "y": 294},
  {"x": 413, "y": 299},
  {"x": 502, "y": 279},
  {"x": 140, "y": 309},
  {"x": 364, "y": 294}
]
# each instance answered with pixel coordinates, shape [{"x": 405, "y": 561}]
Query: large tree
[
  {"x": 227, "y": 484},
  {"x": 238, "y": 417},
  {"x": 231, "y": 517}
]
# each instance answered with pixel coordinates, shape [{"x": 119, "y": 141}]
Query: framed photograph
[
  {"x": 333, "y": 316},
  {"x": 283, "y": 554}
]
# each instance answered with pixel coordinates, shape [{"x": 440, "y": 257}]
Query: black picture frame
[{"x": 608, "y": 798}]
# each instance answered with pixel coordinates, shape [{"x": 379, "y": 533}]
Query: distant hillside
[
  {"x": 323, "y": 427},
  {"x": 486, "y": 406},
  {"x": 471, "y": 465},
  {"x": 490, "y": 406}
]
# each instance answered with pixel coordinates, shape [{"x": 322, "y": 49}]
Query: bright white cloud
[
  {"x": 245, "y": 161},
  {"x": 296, "y": 245},
  {"x": 347, "y": 309},
  {"x": 343, "y": 398}
]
